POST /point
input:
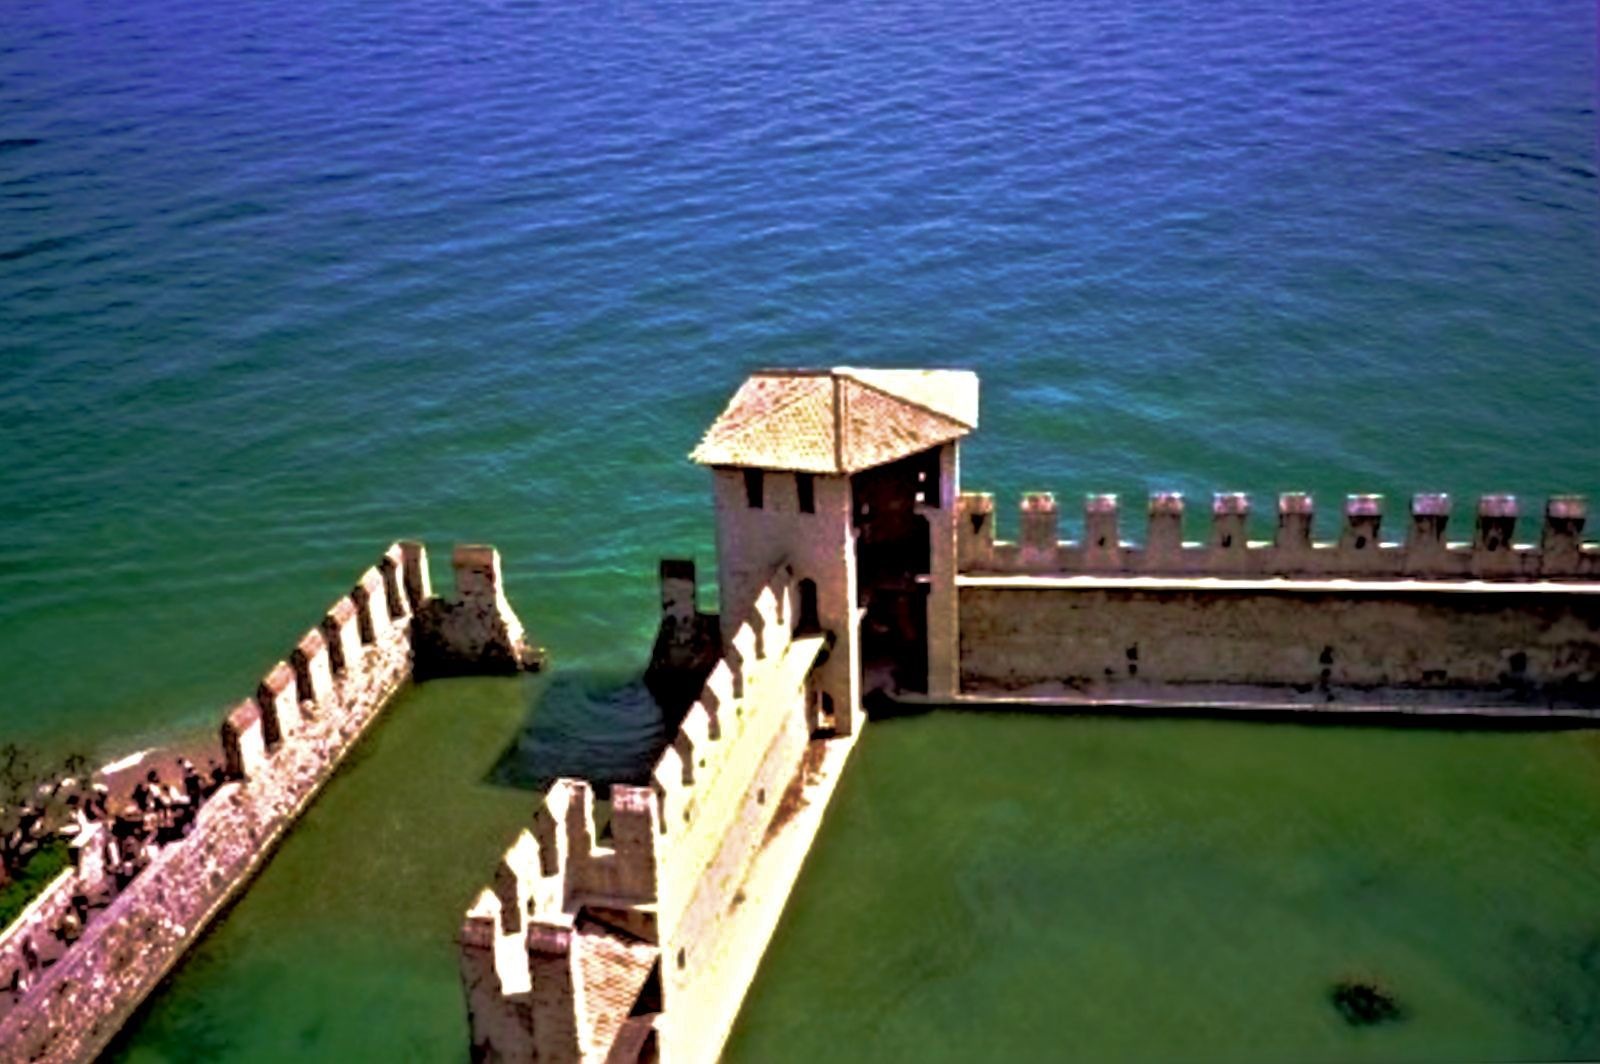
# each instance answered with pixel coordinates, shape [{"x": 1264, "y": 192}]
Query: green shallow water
[
  {"x": 343, "y": 947},
  {"x": 1014, "y": 887}
]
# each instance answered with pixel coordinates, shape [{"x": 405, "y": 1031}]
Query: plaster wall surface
[
  {"x": 819, "y": 546},
  {"x": 1527, "y": 642}
]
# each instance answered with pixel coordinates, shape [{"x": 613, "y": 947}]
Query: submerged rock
[{"x": 1364, "y": 1002}]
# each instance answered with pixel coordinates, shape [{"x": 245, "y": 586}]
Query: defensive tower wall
[
  {"x": 1419, "y": 624},
  {"x": 628, "y": 929},
  {"x": 280, "y": 745},
  {"x": 816, "y": 543},
  {"x": 853, "y": 572}
]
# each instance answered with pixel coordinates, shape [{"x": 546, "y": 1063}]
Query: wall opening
[
  {"x": 754, "y": 488},
  {"x": 805, "y": 487},
  {"x": 894, "y": 557},
  {"x": 807, "y": 620}
]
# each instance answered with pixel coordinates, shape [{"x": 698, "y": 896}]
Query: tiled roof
[
  {"x": 613, "y": 968},
  {"x": 840, "y": 420}
]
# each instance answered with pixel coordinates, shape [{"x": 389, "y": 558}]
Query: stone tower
[{"x": 849, "y": 476}]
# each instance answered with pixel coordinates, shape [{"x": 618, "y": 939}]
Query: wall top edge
[{"x": 1034, "y": 582}]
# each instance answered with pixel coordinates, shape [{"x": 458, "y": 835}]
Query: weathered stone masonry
[
  {"x": 854, "y": 572},
  {"x": 640, "y": 946},
  {"x": 1417, "y": 625},
  {"x": 280, "y": 746},
  {"x": 637, "y": 942}
]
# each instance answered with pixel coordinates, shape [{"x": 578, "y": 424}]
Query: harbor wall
[
  {"x": 637, "y": 940},
  {"x": 1480, "y": 624},
  {"x": 280, "y": 746},
  {"x": 1522, "y": 646},
  {"x": 720, "y": 795}
]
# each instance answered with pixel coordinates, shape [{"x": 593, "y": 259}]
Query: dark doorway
[{"x": 893, "y": 560}]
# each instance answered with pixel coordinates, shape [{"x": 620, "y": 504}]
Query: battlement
[
  {"x": 630, "y": 929},
  {"x": 588, "y": 874},
  {"x": 1359, "y": 551},
  {"x": 280, "y": 745},
  {"x": 564, "y": 858},
  {"x": 365, "y": 640}
]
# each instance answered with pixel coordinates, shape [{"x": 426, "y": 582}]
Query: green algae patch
[{"x": 36, "y": 874}]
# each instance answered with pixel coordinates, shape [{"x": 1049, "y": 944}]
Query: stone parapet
[
  {"x": 1472, "y": 647},
  {"x": 475, "y": 632},
  {"x": 556, "y": 952},
  {"x": 1358, "y": 551},
  {"x": 280, "y": 747}
]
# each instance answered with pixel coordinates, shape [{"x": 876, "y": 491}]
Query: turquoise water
[{"x": 282, "y": 282}]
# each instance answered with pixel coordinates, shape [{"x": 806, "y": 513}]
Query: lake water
[
  {"x": 282, "y": 282},
  {"x": 1030, "y": 888}
]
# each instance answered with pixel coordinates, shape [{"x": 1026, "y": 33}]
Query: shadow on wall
[{"x": 602, "y": 727}]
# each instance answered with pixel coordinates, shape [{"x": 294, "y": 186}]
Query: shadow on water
[{"x": 601, "y": 726}]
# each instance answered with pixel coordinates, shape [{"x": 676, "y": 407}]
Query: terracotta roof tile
[
  {"x": 613, "y": 968},
  {"x": 841, "y": 420}
]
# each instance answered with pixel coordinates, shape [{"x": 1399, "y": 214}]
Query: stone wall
[
  {"x": 1359, "y": 551},
  {"x": 35, "y": 926},
  {"x": 1424, "y": 622},
  {"x": 818, "y": 546},
  {"x": 1317, "y": 641},
  {"x": 281, "y": 746},
  {"x": 558, "y": 953}
]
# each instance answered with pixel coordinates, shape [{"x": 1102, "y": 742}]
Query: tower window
[
  {"x": 806, "y": 488},
  {"x": 754, "y": 488}
]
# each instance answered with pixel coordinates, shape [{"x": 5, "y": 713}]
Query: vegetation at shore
[
  {"x": 31, "y": 877},
  {"x": 37, "y": 806}
]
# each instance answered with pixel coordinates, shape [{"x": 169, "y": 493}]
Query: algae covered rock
[{"x": 1364, "y": 1002}]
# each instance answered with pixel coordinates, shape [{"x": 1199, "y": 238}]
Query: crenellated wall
[
  {"x": 1424, "y": 550},
  {"x": 280, "y": 746},
  {"x": 629, "y": 929},
  {"x": 1425, "y": 624},
  {"x": 639, "y": 938}
]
